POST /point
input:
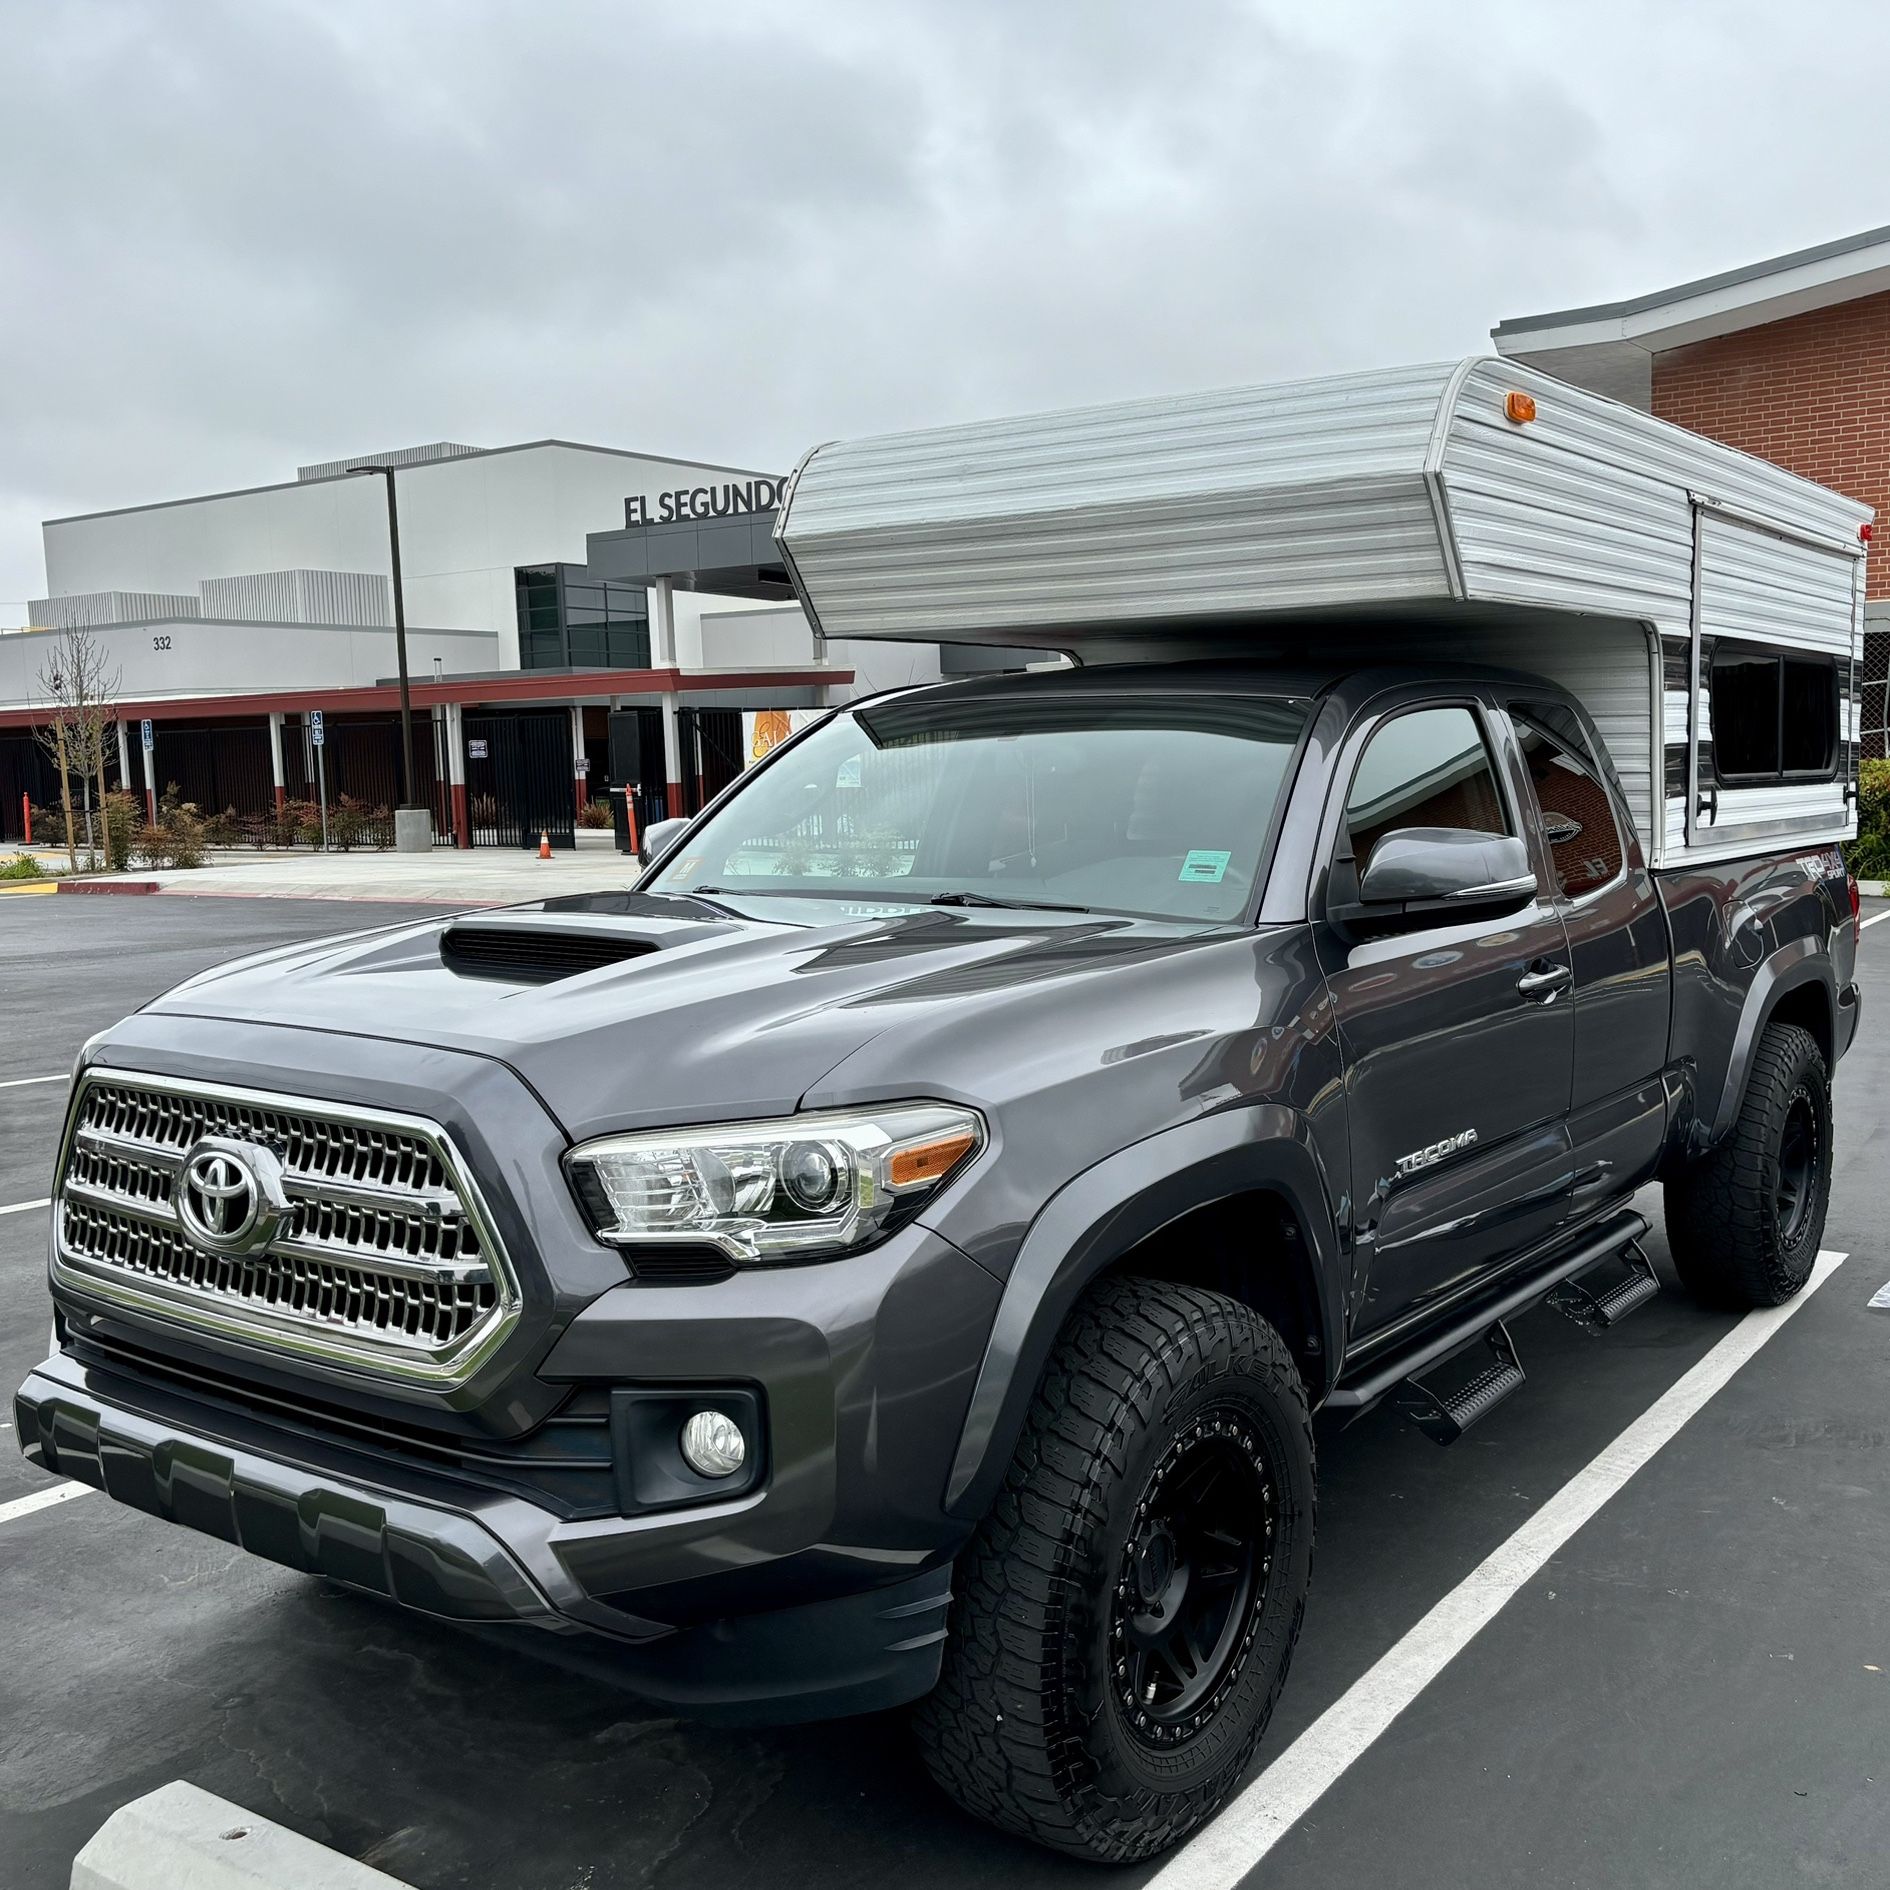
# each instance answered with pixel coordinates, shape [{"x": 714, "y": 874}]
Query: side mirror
[
  {"x": 1432, "y": 872},
  {"x": 659, "y": 836}
]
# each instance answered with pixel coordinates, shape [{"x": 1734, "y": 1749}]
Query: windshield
[{"x": 1149, "y": 805}]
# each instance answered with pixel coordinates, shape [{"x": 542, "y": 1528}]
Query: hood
[{"x": 625, "y": 1009}]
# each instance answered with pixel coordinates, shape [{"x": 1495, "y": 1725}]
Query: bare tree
[{"x": 81, "y": 689}]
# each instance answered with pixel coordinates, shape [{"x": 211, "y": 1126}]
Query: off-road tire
[
  {"x": 1028, "y": 1727},
  {"x": 1731, "y": 1242}
]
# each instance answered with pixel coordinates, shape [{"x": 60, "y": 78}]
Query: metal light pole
[{"x": 400, "y": 634}]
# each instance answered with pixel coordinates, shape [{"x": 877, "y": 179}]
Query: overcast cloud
[{"x": 237, "y": 235}]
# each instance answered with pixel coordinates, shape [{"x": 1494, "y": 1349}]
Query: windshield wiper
[
  {"x": 985, "y": 899},
  {"x": 774, "y": 892}
]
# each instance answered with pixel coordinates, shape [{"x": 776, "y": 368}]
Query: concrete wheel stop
[{"x": 182, "y": 1838}]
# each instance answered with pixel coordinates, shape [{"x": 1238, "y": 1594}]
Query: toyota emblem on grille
[{"x": 229, "y": 1197}]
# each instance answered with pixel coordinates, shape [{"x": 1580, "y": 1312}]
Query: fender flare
[
  {"x": 1096, "y": 1218},
  {"x": 1794, "y": 965}
]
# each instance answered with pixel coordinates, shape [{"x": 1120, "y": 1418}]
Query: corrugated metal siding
[
  {"x": 1771, "y": 590},
  {"x": 1271, "y": 498},
  {"x": 399, "y": 456},
  {"x": 1206, "y": 505},
  {"x": 87, "y": 609},
  {"x": 1564, "y": 511},
  {"x": 1587, "y": 506},
  {"x": 361, "y": 598}
]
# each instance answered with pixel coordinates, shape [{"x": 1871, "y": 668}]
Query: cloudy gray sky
[{"x": 240, "y": 234}]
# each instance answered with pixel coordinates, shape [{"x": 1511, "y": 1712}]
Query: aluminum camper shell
[{"x": 1400, "y": 511}]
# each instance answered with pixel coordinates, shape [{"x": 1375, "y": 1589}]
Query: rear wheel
[
  {"x": 1125, "y": 1616},
  {"x": 1745, "y": 1220}
]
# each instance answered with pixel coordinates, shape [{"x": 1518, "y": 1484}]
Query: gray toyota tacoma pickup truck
[{"x": 894, "y": 1253}]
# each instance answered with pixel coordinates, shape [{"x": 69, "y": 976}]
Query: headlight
[{"x": 798, "y": 1189}]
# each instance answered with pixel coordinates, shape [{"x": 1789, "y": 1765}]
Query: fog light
[{"x": 713, "y": 1444}]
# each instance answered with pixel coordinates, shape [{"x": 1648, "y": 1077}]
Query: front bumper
[
  {"x": 487, "y": 1563},
  {"x": 123, "y": 1440}
]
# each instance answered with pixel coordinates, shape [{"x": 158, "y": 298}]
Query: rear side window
[
  {"x": 1775, "y": 717},
  {"x": 1578, "y": 817},
  {"x": 1426, "y": 768}
]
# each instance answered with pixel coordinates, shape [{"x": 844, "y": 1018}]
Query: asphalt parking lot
[{"x": 1694, "y": 1689}]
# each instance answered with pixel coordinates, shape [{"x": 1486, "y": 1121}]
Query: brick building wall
[{"x": 1811, "y": 393}]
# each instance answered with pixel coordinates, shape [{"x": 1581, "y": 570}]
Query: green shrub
[
  {"x": 124, "y": 815},
  {"x": 347, "y": 824},
  {"x": 152, "y": 846},
  {"x": 1868, "y": 856},
  {"x": 299, "y": 823},
  {"x": 178, "y": 837},
  {"x": 186, "y": 829},
  {"x": 222, "y": 830},
  {"x": 22, "y": 866}
]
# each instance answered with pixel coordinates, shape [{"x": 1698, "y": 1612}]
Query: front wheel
[
  {"x": 1745, "y": 1220},
  {"x": 1125, "y": 1615}
]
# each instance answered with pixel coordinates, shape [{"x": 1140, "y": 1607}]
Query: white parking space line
[
  {"x": 42, "y": 1499},
  {"x": 26, "y": 1082},
  {"x": 24, "y": 1207},
  {"x": 1289, "y": 1788},
  {"x": 1876, "y": 918}
]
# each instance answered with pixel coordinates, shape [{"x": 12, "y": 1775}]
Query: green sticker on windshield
[{"x": 1204, "y": 867}]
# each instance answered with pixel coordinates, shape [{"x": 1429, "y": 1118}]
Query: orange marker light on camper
[{"x": 1519, "y": 406}]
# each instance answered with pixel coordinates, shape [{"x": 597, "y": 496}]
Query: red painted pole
[{"x": 26, "y": 814}]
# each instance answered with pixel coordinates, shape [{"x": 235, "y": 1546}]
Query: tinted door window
[
  {"x": 1578, "y": 817},
  {"x": 1428, "y": 768}
]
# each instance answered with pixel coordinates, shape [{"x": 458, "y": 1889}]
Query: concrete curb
[
  {"x": 29, "y": 886},
  {"x": 339, "y": 898},
  {"x": 182, "y": 1838},
  {"x": 1872, "y": 888},
  {"x": 108, "y": 886}
]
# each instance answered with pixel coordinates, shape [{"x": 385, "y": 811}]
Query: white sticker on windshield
[
  {"x": 1204, "y": 867},
  {"x": 849, "y": 775}
]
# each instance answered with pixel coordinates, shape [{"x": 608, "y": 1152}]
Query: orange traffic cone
[{"x": 544, "y": 844}]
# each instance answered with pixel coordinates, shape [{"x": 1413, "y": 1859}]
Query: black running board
[
  {"x": 1599, "y": 1311},
  {"x": 1444, "y": 1416},
  {"x": 1473, "y": 1322}
]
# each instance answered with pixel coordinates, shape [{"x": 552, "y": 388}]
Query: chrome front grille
[{"x": 384, "y": 1258}]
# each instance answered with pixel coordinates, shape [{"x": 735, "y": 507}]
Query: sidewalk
[{"x": 486, "y": 876}]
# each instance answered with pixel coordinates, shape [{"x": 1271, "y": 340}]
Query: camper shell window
[{"x": 1775, "y": 717}]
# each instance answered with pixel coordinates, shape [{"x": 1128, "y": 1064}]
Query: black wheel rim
[
  {"x": 1193, "y": 1578},
  {"x": 1799, "y": 1160}
]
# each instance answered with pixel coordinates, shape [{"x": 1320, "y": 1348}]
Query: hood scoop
[{"x": 538, "y": 953}]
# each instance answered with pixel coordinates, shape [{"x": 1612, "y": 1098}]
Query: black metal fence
[
  {"x": 711, "y": 745},
  {"x": 520, "y": 778},
  {"x": 219, "y": 767},
  {"x": 25, "y": 769}
]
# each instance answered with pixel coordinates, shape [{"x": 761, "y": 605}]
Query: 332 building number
[{"x": 160, "y": 643}]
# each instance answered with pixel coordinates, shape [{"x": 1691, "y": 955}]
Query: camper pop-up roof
[{"x": 1476, "y": 510}]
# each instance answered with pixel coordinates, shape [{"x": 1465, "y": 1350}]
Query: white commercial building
[{"x": 565, "y": 605}]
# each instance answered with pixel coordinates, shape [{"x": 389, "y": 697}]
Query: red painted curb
[{"x": 108, "y": 886}]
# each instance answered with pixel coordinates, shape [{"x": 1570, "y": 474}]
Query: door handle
[{"x": 1541, "y": 982}]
